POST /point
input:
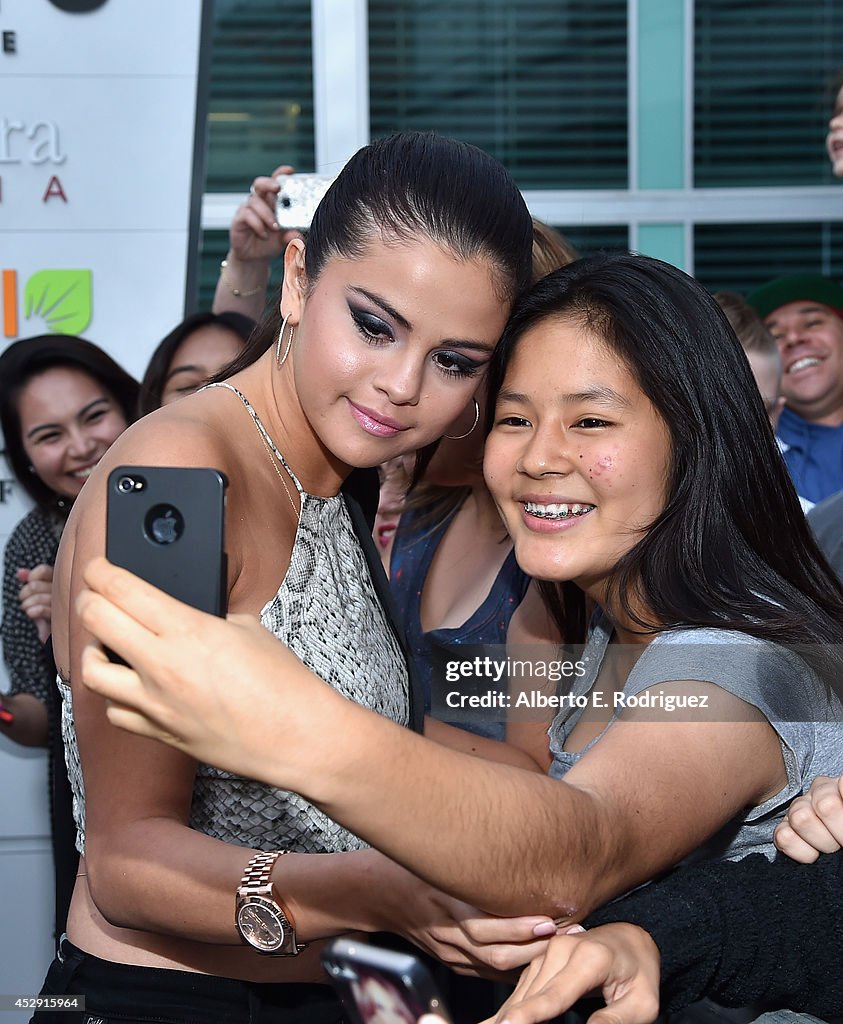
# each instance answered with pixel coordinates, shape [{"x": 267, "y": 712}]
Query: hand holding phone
[{"x": 298, "y": 198}]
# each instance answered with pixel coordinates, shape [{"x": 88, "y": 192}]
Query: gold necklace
[
  {"x": 279, "y": 474},
  {"x": 274, "y": 458}
]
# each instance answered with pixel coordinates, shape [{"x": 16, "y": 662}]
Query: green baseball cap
[{"x": 796, "y": 288}]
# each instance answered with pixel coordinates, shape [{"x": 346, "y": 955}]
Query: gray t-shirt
[
  {"x": 777, "y": 682},
  {"x": 826, "y": 520}
]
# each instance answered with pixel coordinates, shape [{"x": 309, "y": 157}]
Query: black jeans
[{"x": 125, "y": 994}]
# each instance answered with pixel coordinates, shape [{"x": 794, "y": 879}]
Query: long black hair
[
  {"x": 415, "y": 184},
  {"x": 731, "y": 548},
  {"x": 28, "y": 358}
]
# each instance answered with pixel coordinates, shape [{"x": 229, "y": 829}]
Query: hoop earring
[
  {"x": 459, "y": 437},
  {"x": 279, "y": 359}
]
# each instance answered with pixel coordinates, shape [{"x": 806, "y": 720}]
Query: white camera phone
[{"x": 299, "y": 196}]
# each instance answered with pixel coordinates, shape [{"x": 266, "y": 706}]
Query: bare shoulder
[{"x": 188, "y": 433}]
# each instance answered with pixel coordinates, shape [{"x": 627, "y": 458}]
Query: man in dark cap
[{"x": 804, "y": 313}]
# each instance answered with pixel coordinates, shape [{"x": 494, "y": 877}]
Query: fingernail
[
  {"x": 276, "y": 226},
  {"x": 545, "y": 928},
  {"x": 573, "y": 929}
]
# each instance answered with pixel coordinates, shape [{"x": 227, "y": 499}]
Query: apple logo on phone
[{"x": 163, "y": 524}]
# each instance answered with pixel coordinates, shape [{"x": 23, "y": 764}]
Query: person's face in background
[
  {"x": 767, "y": 371},
  {"x": 68, "y": 421},
  {"x": 200, "y": 356},
  {"x": 834, "y": 139},
  {"x": 395, "y": 478},
  {"x": 810, "y": 339}
]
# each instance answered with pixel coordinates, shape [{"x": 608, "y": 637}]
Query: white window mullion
[{"x": 340, "y": 81}]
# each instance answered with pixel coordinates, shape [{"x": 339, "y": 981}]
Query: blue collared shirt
[{"x": 813, "y": 454}]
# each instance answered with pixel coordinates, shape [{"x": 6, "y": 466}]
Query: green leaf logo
[{"x": 63, "y": 298}]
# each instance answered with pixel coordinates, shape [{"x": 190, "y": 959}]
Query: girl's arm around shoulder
[{"x": 639, "y": 800}]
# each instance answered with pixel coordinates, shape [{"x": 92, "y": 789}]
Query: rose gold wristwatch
[{"x": 261, "y": 919}]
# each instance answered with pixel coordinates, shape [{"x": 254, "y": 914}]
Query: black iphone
[
  {"x": 379, "y": 986},
  {"x": 167, "y": 525}
]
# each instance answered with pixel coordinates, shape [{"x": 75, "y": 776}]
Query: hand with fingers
[
  {"x": 462, "y": 937},
  {"x": 174, "y": 651},
  {"x": 621, "y": 960},
  {"x": 255, "y": 240},
  {"x": 254, "y": 234},
  {"x": 814, "y": 822},
  {"x": 36, "y": 597}
]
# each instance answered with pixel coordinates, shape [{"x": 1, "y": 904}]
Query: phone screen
[{"x": 379, "y": 986}]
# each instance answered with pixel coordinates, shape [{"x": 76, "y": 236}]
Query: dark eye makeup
[
  {"x": 370, "y": 326},
  {"x": 376, "y": 331},
  {"x": 455, "y": 364}
]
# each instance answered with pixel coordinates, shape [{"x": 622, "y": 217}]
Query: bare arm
[
  {"x": 479, "y": 746},
  {"x": 501, "y": 838},
  {"x": 530, "y": 633},
  {"x": 139, "y": 848},
  {"x": 255, "y": 240}
]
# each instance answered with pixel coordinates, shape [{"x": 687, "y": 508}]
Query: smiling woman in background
[{"x": 63, "y": 401}]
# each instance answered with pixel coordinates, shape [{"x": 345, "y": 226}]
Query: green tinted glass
[
  {"x": 740, "y": 257},
  {"x": 763, "y": 96},
  {"x": 540, "y": 84},
  {"x": 261, "y": 91}
]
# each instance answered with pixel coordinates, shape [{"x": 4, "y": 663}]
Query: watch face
[{"x": 261, "y": 925}]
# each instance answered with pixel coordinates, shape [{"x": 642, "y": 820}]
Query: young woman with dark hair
[
  {"x": 63, "y": 401},
  {"x": 633, "y": 463},
  {"x": 29, "y": 358},
  {"x": 712, "y": 555},
  {"x": 194, "y": 351},
  {"x": 386, "y": 321}
]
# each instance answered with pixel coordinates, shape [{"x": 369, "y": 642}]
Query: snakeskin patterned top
[{"x": 328, "y": 613}]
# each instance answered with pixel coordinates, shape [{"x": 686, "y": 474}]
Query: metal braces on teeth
[{"x": 567, "y": 514}]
